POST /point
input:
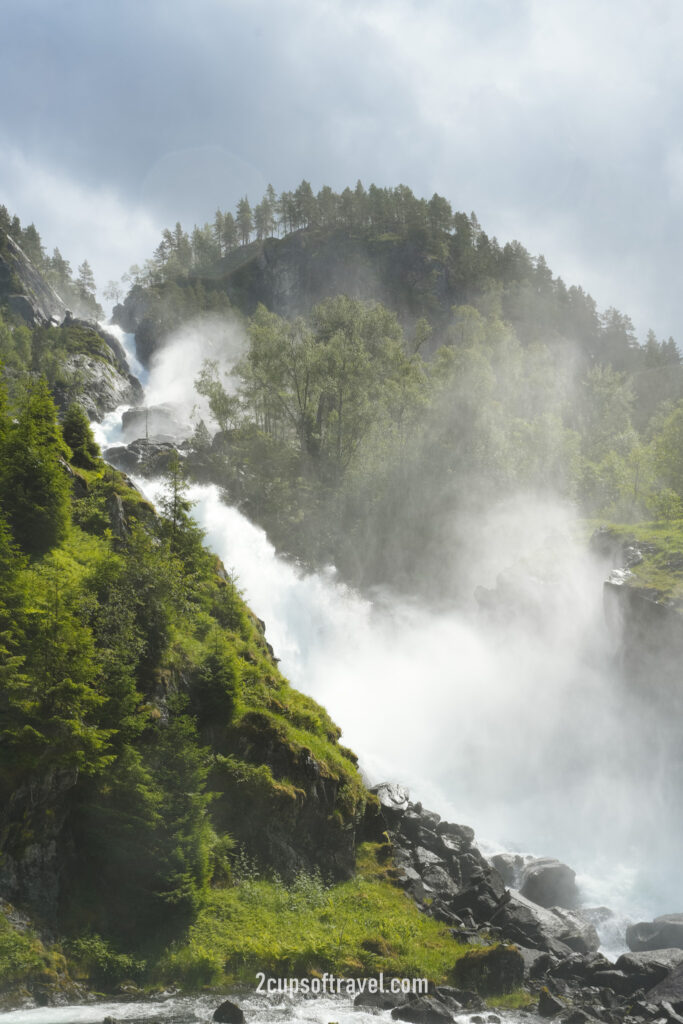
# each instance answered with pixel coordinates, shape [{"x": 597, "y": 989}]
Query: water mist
[{"x": 509, "y": 716}]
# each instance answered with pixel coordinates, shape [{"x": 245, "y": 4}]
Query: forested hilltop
[{"x": 371, "y": 428}]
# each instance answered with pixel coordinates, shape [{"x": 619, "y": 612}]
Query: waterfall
[{"x": 515, "y": 725}]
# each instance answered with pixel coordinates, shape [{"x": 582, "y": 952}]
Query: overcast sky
[{"x": 558, "y": 122}]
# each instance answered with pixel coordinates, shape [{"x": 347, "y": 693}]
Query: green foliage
[
  {"x": 129, "y": 667},
  {"x": 22, "y": 956},
  {"x": 95, "y": 959},
  {"x": 79, "y": 437},
  {"x": 661, "y": 545},
  {"x": 358, "y": 927},
  {"x": 35, "y": 488}
]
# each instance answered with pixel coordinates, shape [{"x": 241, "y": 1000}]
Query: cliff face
[
  {"x": 92, "y": 367},
  {"x": 25, "y": 290},
  {"x": 410, "y": 275},
  {"x": 643, "y": 606},
  {"x": 292, "y": 275}
]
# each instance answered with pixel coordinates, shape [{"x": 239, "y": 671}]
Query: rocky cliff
[{"x": 25, "y": 290}]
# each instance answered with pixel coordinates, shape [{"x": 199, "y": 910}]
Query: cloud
[
  {"x": 96, "y": 224},
  {"x": 558, "y": 123}
]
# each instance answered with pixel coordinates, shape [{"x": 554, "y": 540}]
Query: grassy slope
[
  {"x": 354, "y": 928},
  {"x": 661, "y": 545}
]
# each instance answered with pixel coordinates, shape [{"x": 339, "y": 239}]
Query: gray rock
[
  {"x": 549, "y": 1005},
  {"x": 155, "y": 421},
  {"x": 424, "y": 1010},
  {"x": 509, "y": 866},
  {"x": 493, "y": 971},
  {"x": 649, "y": 967},
  {"x": 534, "y": 926},
  {"x": 425, "y": 858},
  {"x": 578, "y": 1017},
  {"x": 38, "y": 303},
  {"x": 117, "y": 517},
  {"x": 580, "y": 934},
  {"x": 228, "y": 1013},
  {"x": 411, "y": 823},
  {"x": 430, "y": 818},
  {"x": 549, "y": 883},
  {"x": 462, "y": 832},
  {"x": 616, "y": 981},
  {"x": 392, "y": 797},
  {"x": 670, "y": 989},
  {"x": 665, "y": 932},
  {"x": 151, "y": 458},
  {"x": 440, "y": 881},
  {"x": 536, "y": 962},
  {"x": 668, "y": 1010},
  {"x": 98, "y": 386}
]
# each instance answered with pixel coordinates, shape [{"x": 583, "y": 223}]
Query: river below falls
[{"x": 199, "y": 1010}]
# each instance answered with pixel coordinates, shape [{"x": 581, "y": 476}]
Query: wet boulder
[
  {"x": 548, "y": 1004},
  {"x": 580, "y": 933},
  {"x": 509, "y": 866},
  {"x": 665, "y": 932},
  {"x": 423, "y": 1010},
  {"x": 670, "y": 989},
  {"x": 539, "y": 928},
  {"x": 393, "y": 800},
  {"x": 549, "y": 883},
  {"x": 228, "y": 1013},
  {"x": 490, "y": 970},
  {"x": 647, "y": 968}
]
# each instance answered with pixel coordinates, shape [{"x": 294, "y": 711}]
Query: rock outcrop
[
  {"x": 551, "y": 951},
  {"x": 665, "y": 932},
  {"x": 26, "y": 291},
  {"x": 97, "y": 385},
  {"x": 549, "y": 883}
]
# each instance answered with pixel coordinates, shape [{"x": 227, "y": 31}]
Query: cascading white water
[{"x": 517, "y": 728}]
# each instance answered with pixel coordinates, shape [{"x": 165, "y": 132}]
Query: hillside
[
  {"x": 403, "y": 371},
  {"x": 157, "y": 772},
  {"x": 39, "y": 336}
]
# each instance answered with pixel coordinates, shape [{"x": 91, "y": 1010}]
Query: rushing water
[
  {"x": 189, "y": 1009},
  {"x": 518, "y": 728}
]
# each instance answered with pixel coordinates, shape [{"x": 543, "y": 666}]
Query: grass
[
  {"x": 24, "y": 959},
  {"x": 661, "y": 544},
  {"x": 21, "y": 955},
  {"x": 517, "y": 1000},
  {"x": 355, "y": 928}
]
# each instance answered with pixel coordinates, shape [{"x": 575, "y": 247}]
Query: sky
[{"x": 559, "y": 124}]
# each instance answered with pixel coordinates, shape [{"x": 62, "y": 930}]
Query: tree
[
  {"x": 79, "y": 437},
  {"x": 32, "y": 245},
  {"x": 244, "y": 220},
  {"x": 35, "y": 487},
  {"x": 439, "y": 213},
  {"x": 224, "y": 407},
  {"x": 229, "y": 236},
  {"x": 178, "y": 526},
  {"x": 305, "y": 205},
  {"x": 59, "y": 272},
  {"x": 86, "y": 280},
  {"x": 668, "y": 443}
]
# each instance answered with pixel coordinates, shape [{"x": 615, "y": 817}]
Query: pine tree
[
  {"x": 79, "y": 437},
  {"x": 35, "y": 486},
  {"x": 244, "y": 220}
]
